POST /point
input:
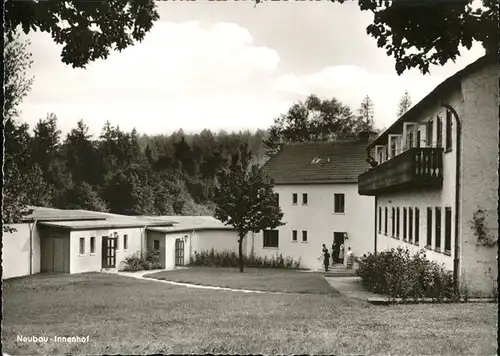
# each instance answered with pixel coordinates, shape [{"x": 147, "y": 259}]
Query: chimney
[{"x": 367, "y": 136}]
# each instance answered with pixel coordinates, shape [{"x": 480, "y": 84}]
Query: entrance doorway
[
  {"x": 338, "y": 240},
  {"x": 60, "y": 255},
  {"x": 179, "y": 252},
  {"x": 108, "y": 252}
]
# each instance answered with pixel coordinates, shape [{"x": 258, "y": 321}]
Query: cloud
[
  {"x": 178, "y": 72},
  {"x": 350, "y": 84}
]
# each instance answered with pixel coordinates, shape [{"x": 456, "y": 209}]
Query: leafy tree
[
  {"x": 84, "y": 196},
  {"x": 80, "y": 154},
  {"x": 404, "y": 104},
  {"x": 16, "y": 138},
  {"x": 313, "y": 120},
  {"x": 245, "y": 199},
  {"x": 17, "y": 61},
  {"x": 88, "y": 30},
  {"x": 367, "y": 113},
  {"x": 429, "y": 32},
  {"x": 37, "y": 190}
]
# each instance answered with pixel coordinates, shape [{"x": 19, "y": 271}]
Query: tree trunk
[{"x": 240, "y": 252}]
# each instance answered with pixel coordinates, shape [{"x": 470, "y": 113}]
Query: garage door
[{"x": 60, "y": 255}]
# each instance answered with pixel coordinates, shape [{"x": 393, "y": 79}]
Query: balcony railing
[{"x": 414, "y": 168}]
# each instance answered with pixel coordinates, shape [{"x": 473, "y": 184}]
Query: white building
[
  {"x": 437, "y": 169},
  {"x": 77, "y": 241},
  {"x": 317, "y": 189}
]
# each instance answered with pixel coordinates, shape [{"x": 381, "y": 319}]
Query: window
[
  {"x": 397, "y": 222},
  {"x": 439, "y": 131},
  {"x": 92, "y": 244},
  {"x": 410, "y": 139},
  {"x": 417, "y": 225},
  {"x": 429, "y": 227},
  {"x": 82, "y": 245},
  {"x": 271, "y": 238},
  {"x": 304, "y": 236},
  {"x": 438, "y": 228},
  {"x": 156, "y": 244},
  {"x": 379, "y": 219},
  {"x": 393, "y": 148},
  {"x": 404, "y": 224},
  {"x": 410, "y": 224},
  {"x": 393, "y": 222},
  {"x": 125, "y": 242},
  {"x": 447, "y": 229},
  {"x": 339, "y": 203},
  {"x": 448, "y": 146},
  {"x": 430, "y": 129},
  {"x": 385, "y": 221},
  {"x": 295, "y": 199},
  {"x": 419, "y": 138},
  {"x": 304, "y": 199},
  {"x": 294, "y": 235}
]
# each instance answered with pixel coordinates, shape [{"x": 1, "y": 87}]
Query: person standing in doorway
[
  {"x": 335, "y": 253},
  {"x": 341, "y": 254}
]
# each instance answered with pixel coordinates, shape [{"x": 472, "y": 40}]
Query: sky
[{"x": 227, "y": 66}]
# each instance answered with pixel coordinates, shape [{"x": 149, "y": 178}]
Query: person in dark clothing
[
  {"x": 326, "y": 259},
  {"x": 334, "y": 254}
]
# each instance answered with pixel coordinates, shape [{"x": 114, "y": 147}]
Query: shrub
[
  {"x": 399, "y": 275},
  {"x": 138, "y": 262},
  {"x": 214, "y": 258}
]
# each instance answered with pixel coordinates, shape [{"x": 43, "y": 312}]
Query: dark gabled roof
[
  {"x": 318, "y": 163},
  {"x": 434, "y": 96}
]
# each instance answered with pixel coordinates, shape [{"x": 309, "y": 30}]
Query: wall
[
  {"x": 16, "y": 251},
  {"x": 320, "y": 222},
  {"x": 423, "y": 198},
  {"x": 167, "y": 247},
  {"x": 479, "y": 186},
  {"x": 93, "y": 262}
]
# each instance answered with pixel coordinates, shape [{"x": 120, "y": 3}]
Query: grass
[
  {"x": 130, "y": 316},
  {"x": 261, "y": 279}
]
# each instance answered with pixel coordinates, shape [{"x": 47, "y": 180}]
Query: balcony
[{"x": 412, "y": 169}]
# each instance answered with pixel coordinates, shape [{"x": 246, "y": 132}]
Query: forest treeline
[{"x": 121, "y": 172}]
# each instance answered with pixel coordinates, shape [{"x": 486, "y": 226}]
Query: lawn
[
  {"x": 123, "y": 315},
  {"x": 268, "y": 279}
]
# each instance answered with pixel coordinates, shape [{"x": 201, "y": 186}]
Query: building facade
[
  {"x": 316, "y": 184},
  {"x": 437, "y": 176}
]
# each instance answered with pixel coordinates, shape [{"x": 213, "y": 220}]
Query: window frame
[
  {"x": 398, "y": 223},
  {"x": 295, "y": 235},
  {"x": 448, "y": 146},
  {"x": 273, "y": 235},
  {"x": 448, "y": 222},
  {"x": 405, "y": 224},
  {"x": 417, "y": 226},
  {"x": 385, "y": 220},
  {"x": 336, "y": 210},
  {"x": 125, "y": 242},
  {"x": 410, "y": 225},
  {"x": 92, "y": 245},
  {"x": 154, "y": 245},
  {"x": 430, "y": 219},
  {"x": 438, "y": 228},
  {"x": 379, "y": 219},
  {"x": 295, "y": 198},
  {"x": 304, "y": 234},
  {"x": 306, "y": 200},
  {"x": 393, "y": 222},
  {"x": 81, "y": 246}
]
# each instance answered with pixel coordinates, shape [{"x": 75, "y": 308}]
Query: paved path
[
  {"x": 140, "y": 275},
  {"x": 351, "y": 287}
]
